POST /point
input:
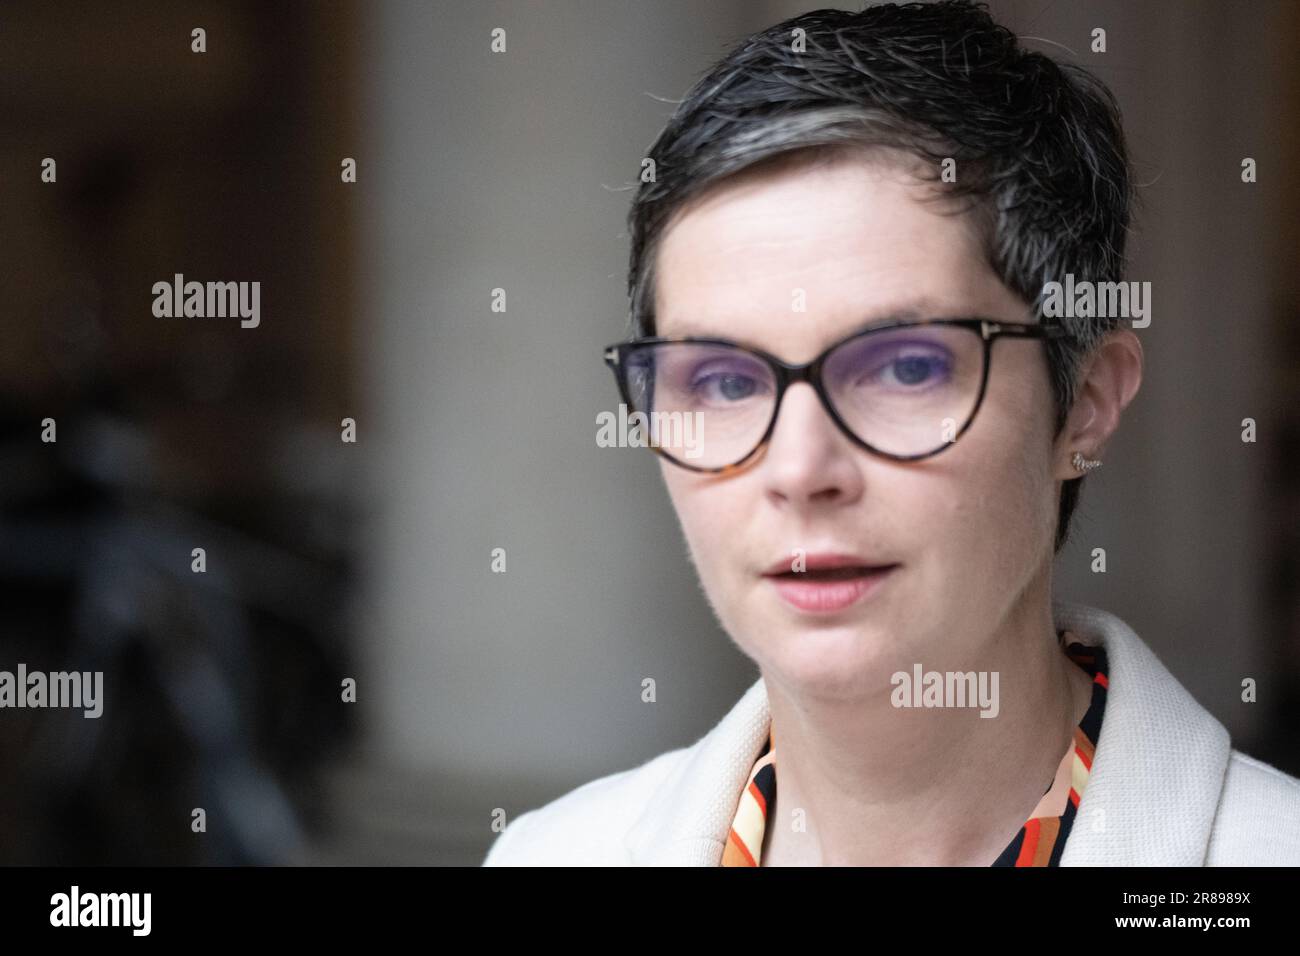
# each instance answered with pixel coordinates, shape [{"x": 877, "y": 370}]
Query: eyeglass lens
[{"x": 904, "y": 391}]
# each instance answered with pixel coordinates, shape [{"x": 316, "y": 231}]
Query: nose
[{"x": 808, "y": 460}]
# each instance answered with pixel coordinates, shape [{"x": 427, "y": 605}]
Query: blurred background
[{"x": 371, "y": 560}]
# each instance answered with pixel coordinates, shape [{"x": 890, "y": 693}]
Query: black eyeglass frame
[{"x": 786, "y": 374}]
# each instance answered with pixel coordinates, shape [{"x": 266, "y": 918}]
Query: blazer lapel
[
  {"x": 1160, "y": 762},
  {"x": 690, "y": 812},
  {"x": 1150, "y": 800}
]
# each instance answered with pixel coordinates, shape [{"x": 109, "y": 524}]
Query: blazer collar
[{"x": 1151, "y": 797}]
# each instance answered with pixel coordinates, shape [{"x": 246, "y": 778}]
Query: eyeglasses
[{"x": 904, "y": 390}]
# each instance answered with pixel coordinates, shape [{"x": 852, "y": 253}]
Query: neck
[{"x": 881, "y": 785}]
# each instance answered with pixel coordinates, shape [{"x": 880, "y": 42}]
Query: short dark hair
[{"x": 1039, "y": 146}]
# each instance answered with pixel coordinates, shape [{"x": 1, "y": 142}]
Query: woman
[{"x": 874, "y": 439}]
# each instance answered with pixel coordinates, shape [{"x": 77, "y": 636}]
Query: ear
[{"x": 1110, "y": 379}]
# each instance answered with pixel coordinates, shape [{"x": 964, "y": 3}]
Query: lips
[
  {"x": 827, "y": 566},
  {"x": 830, "y": 583},
  {"x": 813, "y": 596},
  {"x": 829, "y": 574}
]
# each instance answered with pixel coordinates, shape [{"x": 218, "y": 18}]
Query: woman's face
[{"x": 969, "y": 528}]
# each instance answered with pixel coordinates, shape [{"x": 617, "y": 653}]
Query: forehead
[{"x": 795, "y": 256}]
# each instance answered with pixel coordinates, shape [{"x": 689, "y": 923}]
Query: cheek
[
  {"x": 704, "y": 511},
  {"x": 1006, "y": 492}
]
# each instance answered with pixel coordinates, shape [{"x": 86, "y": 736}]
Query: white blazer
[{"x": 1166, "y": 788}]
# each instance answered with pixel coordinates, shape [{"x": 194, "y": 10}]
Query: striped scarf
[{"x": 1041, "y": 840}]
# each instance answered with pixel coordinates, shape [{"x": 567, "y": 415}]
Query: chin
[{"x": 843, "y": 660}]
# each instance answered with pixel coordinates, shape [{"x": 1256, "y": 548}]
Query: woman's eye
[
  {"x": 910, "y": 371},
  {"x": 728, "y": 386}
]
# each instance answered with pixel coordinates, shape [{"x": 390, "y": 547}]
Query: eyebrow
[{"x": 908, "y": 311}]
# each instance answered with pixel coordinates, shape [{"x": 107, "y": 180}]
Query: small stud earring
[{"x": 1084, "y": 464}]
